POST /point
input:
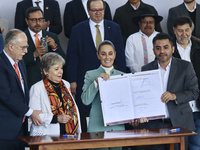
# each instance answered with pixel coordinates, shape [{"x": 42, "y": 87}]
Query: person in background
[
  {"x": 82, "y": 47},
  {"x": 188, "y": 8},
  {"x": 76, "y": 12},
  {"x": 124, "y": 14},
  {"x": 187, "y": 48},
  {"x": 14, "y": 97},
  {"x": 139, "y": 46},
  {"x": 51, "y": 11},
  {"x": 34, "y": 19},
  {"x": 53, "y": 97}
]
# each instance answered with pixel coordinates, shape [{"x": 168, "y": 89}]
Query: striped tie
[{"x": 144, "y": 44}]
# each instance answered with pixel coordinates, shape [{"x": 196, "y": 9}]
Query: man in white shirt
[
  {"x": 187, "y": 48},
  {"x": 188, "y": 8},
  {"x": 139, "y": 46}
]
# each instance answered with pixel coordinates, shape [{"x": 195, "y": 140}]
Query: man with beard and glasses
[
  {"x": 188, "y": 8},
  {"x": 34, "y": 20},
  {"x": 139, "y": 46},
  {"x": 187, "y": 48},
  {"x": 180, "y": 85}
]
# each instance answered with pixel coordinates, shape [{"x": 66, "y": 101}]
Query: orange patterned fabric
[{"x": 56, "y": 105}]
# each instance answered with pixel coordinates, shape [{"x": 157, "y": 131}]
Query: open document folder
[{"x": 132, "y": 96}]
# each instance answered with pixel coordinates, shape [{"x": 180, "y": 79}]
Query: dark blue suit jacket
[
  {"x": 81, "y": 53},
  {"x": 75, "y": 13},
  {"x": 1, "y": 43},
  {"x": 13, "y": 101},
  {"x": 51, "y": 13}
]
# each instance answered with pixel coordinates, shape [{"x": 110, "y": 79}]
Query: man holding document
[{"x": 179, "y": 85}]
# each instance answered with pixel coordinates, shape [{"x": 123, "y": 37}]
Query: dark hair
[
  {"x": 89, "y": 2},
  {"x": 105, "y": 42},
  {"x": 182, "y": 20},
  {"x": 11, "y": 36},
  {"x": 162, "y": 36},
  {"x": 32, "y": 10}
]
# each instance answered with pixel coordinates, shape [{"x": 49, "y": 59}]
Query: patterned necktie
[
  {"x": 17, "y": 71},
  {"x": 98, "y": 36},
  {"x": 144, "y": 44},
  {"x": 37, "y": 3}
]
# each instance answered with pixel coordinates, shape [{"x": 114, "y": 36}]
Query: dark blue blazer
[
  {"x": 75, "y": 13},
  {"x": 13, "y": 101},
  {"x": 81, "y": 52},
  {"x": 1, "y": 43},
  {"x": 51, "y": 13}
]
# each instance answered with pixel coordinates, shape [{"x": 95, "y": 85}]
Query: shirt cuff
[{"x": 29, "y": 113}]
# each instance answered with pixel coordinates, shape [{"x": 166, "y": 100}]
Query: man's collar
[
  {"x": 33, "y": 33},
  {"x": 189, "y": 9},
  {"x": 135, "y": 7},
  {"x": 94, "y": 23}
]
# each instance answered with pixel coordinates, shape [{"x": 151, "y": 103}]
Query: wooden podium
[{"x": 136, "y": 137}]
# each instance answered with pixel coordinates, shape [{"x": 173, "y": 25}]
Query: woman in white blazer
[{"x": 52, "y": 96}]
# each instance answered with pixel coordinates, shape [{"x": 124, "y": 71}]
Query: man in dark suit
[
  {"x": 82, "y": 48},
  {"x": 187, "y": 48},
  {"x": 51, "y": 11},
  {"x": 76, "y": 12},
  {"x": 188, "y": 8},
  {"x": 124, "y": 15},
  {"x": 180, "y": 85},
  {"x": 34, "y": 20},
  {"x": 14, "y": 96}
]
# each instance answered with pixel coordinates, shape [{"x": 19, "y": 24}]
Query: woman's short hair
[
  {"x": 50, "y": 59},
  {"x": 105, "y": 42}
]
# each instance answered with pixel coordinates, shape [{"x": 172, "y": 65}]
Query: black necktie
[{"x": 37, "y": 3}]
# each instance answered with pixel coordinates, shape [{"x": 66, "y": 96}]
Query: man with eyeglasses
[
  {"x": 82, "y": 48},
  {"x": 71, "y": 17},
  {"x": 51, "y": 12},
  {"x": 14, "y": 94},
  {"x": 34, "y": 20},
  {"x": 139, "y": 46}
]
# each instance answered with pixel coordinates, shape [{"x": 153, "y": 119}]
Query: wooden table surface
[{"x": 135, "y": 137}]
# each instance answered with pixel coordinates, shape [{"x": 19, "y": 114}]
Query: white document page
[
  {"x": 116, "y": 97},
  {"x": 146, "y": 92}
]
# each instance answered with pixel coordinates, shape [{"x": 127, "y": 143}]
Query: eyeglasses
[
  {"x": 149, "y": 22},
  {"x": 34, "y": 20},
  {"x": 23, "y": 47},
  {"x": 95, "y": 11}
]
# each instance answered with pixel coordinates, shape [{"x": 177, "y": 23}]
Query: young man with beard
[
  {"x": 187, "y": 48},
  {"x": 188, "y": 8},
  {"x": 180, "y": 86}
]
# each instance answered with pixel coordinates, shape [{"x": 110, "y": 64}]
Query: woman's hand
[
  {"x": 63, "y": 118},
  {"x": 105, "y": 76},
  {"x": 137, "y": 121}
]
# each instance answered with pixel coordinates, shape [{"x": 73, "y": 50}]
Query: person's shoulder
[
  {"x": 176, "y": 7},
  {"x": 111, "y": 23},
  {"x": 50, "y": 34},
  {"x": 38, "y": 85},
  {"x": 81, "y": 25},
  {"x": 66, "y": 83},
  {"x": 122, "y": 8}
]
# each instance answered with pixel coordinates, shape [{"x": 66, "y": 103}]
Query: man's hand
[
  {"x": 36, "y": 118},
  {"x": 73, "y": 87},
  {"x": 40, "y": 50},
  {"x": 50, "y": 41},
  {"x": 63, "y": 118},
  {"x": 167, "y": 96}
]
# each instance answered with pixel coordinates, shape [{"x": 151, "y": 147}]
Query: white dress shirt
[
  {"x": 94, "y": 30},
  {"x": 185, "y": 55},
  {"x": 134, "y": 50},
  {"x": 164, "y": 79}
]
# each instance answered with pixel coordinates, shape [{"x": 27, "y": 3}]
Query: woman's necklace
[{"x": 56, "y": 86}]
